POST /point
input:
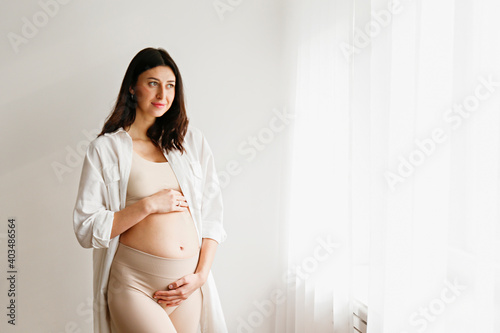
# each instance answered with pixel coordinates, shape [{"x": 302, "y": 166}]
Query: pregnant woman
[{"x": 150, "y": 205}]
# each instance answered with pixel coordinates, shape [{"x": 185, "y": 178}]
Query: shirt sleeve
[
  {"x": 92, "y": 222},
  {"x": 211, "y": 206}
]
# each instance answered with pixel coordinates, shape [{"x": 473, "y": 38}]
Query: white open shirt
[{"x": 102, "y": 191}]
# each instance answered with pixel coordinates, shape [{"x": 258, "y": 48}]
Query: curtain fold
[
  {"x": 318, "y": 208},
  {"x": 435, "y": 129},
  {"x": 394, "y": 164}
]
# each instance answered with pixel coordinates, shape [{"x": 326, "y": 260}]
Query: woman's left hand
[{"x": 179, "y": 290}]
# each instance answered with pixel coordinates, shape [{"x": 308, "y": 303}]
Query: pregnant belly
[{"x": 168, "y": 235}]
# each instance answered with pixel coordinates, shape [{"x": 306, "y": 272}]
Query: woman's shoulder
[
  {"x": 107, "y": 145},
  {"x": 194, "y": 136},
  {"x": 194, "y": 131},
  {"x": 196, "y": 144}
]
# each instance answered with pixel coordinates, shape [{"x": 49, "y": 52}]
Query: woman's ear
[{"x": 131, "y": 90}]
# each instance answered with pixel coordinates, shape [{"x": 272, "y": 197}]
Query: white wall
[{"x": 60, "y": 85}]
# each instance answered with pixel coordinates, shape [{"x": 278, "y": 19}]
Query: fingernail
[{"x": 171, "y": 286}]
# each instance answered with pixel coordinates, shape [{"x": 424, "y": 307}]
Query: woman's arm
[
  {"x": 94, "y": 224},
  {"x": 92, "y": 221},
  {"x": 212, "y": 207},
  {"x": 163, "y": 201},
  {"x": 130, "y": 216},
  {"x": 207, "y": 255}
]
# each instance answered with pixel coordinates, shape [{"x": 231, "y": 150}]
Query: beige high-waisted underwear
[{"x": 134, "y": 277}]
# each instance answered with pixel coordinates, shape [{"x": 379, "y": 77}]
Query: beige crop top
[{"x": 148, "y": 177}]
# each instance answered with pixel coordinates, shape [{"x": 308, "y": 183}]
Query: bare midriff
[{"x": 168, "y": 235}]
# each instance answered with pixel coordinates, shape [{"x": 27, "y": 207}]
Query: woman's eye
[
  {"x": 170, "y": 85},
  {"x": 153, "y": 84}
]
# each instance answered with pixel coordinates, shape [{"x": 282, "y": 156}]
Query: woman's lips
[{"x": 159, "y": 105}]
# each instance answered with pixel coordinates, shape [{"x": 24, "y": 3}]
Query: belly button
[{"x": 182, "y": 248}]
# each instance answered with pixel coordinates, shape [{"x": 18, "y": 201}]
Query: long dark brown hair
[{"x": 168, "y": 131}]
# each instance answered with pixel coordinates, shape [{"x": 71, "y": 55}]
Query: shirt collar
[{"x": 119, "y": 130}]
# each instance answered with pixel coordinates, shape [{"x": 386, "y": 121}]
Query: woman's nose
[{"x": 161, "y": 93}]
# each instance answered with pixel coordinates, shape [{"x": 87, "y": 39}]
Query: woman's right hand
[{"x": 166, "y": 200}]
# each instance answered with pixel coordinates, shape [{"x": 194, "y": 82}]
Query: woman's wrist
[
  {"x": 203, "y": 276},
  {"x": 148, "y": 205}
]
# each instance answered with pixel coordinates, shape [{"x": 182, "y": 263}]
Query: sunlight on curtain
[
  {"x": 434, "y": 151},
  {"x": 394, "y": 162},
  {"x": 318, "y": 238}
]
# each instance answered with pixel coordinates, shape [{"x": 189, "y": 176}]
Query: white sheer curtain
[
  {"x": 317, "y": 247},
  {"x": 394, "y": 162}
]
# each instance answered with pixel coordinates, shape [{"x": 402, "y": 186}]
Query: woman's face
[{"x": 154, "y": 91}]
